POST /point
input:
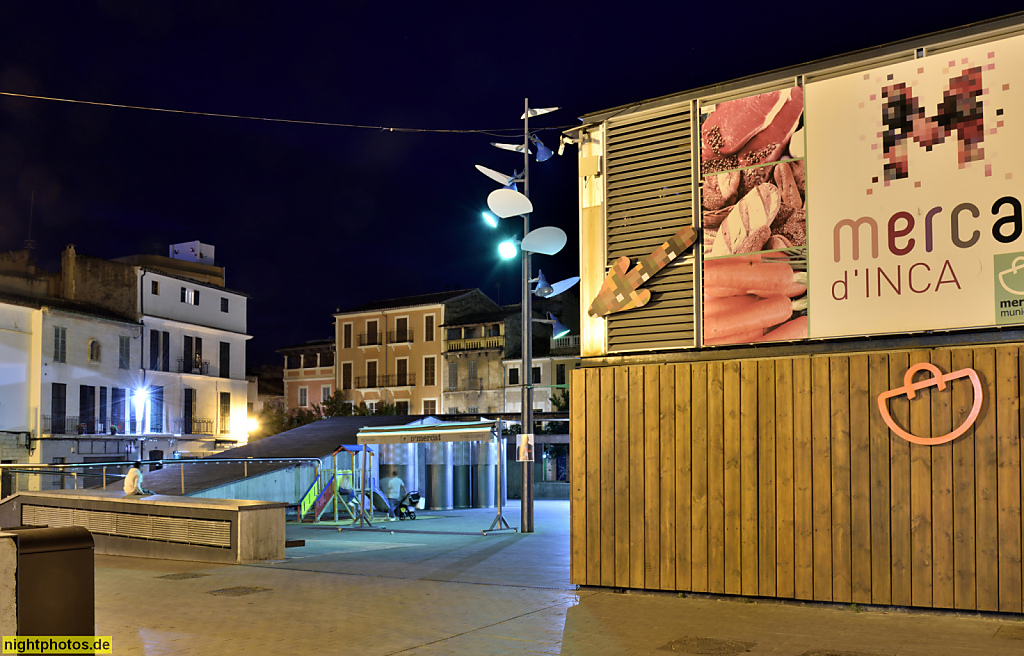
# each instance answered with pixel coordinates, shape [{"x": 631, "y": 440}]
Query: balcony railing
[
  {"x": 400, "y": 336},
  {"x": 195, "y": 427},
  {"x": 186, "y": 366},
  {"x": 475, "y": 343},
  {"x": 369, "y": 339},
  {"x": 75, "y": 425},
  {"x": 567, "y": 342},
  {"x": 465, "y": 385},
  {"x": 382, "y": 380}
]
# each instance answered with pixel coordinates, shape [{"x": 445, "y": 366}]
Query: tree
[{"x": 560, "y": 399}]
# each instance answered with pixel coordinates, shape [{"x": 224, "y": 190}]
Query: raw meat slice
[{"x": 732, "y": 124}]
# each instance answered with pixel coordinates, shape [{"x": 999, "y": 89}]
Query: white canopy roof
[{"x": 428, "y": 429}]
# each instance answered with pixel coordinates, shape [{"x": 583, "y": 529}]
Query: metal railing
[
  {"x": 186, "y": 366},
  {"x": 77, "y": 425},
  {"x": 102, "y": 471},
  {"x": 369, "y": 339},
  {"x": 400, "y": 336},
  {"x": 465, "y": 385},
  {"x": 385, "y": 380},
  {"x": 195, "y": 427}
]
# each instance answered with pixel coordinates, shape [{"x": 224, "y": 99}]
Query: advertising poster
[
  {"x": 915, "y": 175},
  {"x": 754, "y": 219}
]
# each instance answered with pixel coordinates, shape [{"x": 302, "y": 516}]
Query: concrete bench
[{"x": 158, "y": 526}]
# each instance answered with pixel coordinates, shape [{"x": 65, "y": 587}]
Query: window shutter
[{"x": 649, "y": 197}]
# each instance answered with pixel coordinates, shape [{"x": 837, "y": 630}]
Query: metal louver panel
[
  {"x": 648, "y": 198},
  {"x": 205, "y": 532}
]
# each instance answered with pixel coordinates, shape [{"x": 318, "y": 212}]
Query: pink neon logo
[{"x": 939, "y": 380}]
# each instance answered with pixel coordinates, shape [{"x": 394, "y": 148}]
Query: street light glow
[
  {"x": 507, "y": 250},
  {"x": 490, "y": 219}
]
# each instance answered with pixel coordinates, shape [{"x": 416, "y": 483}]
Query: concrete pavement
[{"x": 438, "y": 586}]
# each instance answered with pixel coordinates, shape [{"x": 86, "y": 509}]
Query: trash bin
[{"x": 55, "y": 581}]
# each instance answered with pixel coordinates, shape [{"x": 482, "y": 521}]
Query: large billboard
[
  {"x": 915, "y": 181},
  {"x": 882, "y": 201}
]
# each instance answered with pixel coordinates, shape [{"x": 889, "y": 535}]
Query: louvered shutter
[{"x": 649, "y": 197}]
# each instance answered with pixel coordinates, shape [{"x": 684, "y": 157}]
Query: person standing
[{"x": 395, "y": 489}]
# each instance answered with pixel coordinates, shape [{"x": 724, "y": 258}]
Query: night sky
[{"x": 308, "y": 218}]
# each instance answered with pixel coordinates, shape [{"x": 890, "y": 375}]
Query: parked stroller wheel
[{"x": 412, "y": 515}]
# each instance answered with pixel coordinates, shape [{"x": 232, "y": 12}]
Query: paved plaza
[{"x": 439, "y": 586}]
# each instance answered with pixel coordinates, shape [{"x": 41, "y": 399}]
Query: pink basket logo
[{"x": 939, "y": 380}]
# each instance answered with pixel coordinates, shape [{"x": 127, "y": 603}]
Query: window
[
  {"x": 346, "y": 376},
  {"x": 429, "y": 371},
  {"x": 154, "y": 287},
  {"x": 472, "y": 371},
  {"x": 473, "y": 410},
  {"x": 225, "y": 360},
  {"x": 116, "y": 410},
  {"x": 429, "y": 407},
  {"x": 401, "y": 407},
  {"x": 223, "y": 305},
  {"x": 325, "y": 393},
  {"x": 60, "y": 344},
  {"x": 154, "y": 350},
  {"x": 428, "y": 328},
  {"x": 371, "y": 373},
  {"x": 156, "y": 409},
  {"x": 346, "y": 335},
  {"x": 402, "y": 372},
  {"x": 94, "y": 350},
  {"x": 58, "y": 408},
  {"x": 190, "y": 296},
  {"x": 303, "y": 397},
  {"x": 371, "y": 406},
  {"x": 102, "y": 426},
  {"x": 559, "y": 374},
  {"x": 371, "y": 332},
  {"x": 536, "y": 375},
  {"x": 402, "y": 334},
  {"x": 453, "y": 375},
  {"x": 513, "y": 375},
  {"x": 225, "y": 412}
]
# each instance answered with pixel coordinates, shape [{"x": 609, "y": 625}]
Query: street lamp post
[
  {"x": 526, "y": 497},
  {"x": 506, "y": 203}
]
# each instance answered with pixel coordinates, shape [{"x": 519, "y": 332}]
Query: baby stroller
[{"x": 407, "y": 506}]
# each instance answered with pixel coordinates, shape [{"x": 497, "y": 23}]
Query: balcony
[
  {"x": 474, "y": 343},
  {"x": 75, "y": 425},
  {"x": 400, "y": 337},
  {"x": 465, "y": 385},
  {"x": 389, "y": 380},
  {"x": 195, "y": 427},
  {"x": 188, "y": 366},
  {"x": 369, "y": 339},
  {"x": 567, "y": 343}
]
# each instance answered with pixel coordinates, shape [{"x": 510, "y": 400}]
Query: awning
[{"x": 442, "y": 431}]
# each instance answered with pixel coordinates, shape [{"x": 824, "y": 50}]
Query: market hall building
[{"x": 802, "y": 337}]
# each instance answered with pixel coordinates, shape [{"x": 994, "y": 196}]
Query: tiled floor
[{"x": 439, "y": 586}]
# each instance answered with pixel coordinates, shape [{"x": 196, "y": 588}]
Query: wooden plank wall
[{"x": 779, "y": 478}]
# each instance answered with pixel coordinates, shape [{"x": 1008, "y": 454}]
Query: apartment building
[
  {"x": 391, "y": 351},
  {"x": 309, "y": 373},
  {"x": 111, "y": 360}
]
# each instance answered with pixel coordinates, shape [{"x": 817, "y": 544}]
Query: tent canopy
[{"x": 428, "y": 430}]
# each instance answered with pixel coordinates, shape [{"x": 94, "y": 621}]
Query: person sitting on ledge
[{"x": 133, "y": 481}]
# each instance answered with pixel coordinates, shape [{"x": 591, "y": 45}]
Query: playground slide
[{"x": 380, "y": 502}]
